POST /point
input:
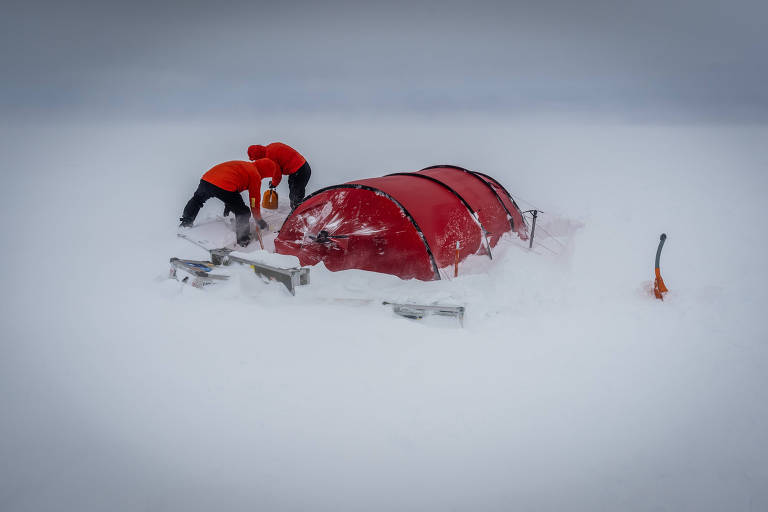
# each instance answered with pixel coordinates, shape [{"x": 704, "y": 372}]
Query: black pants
[
  {"x": 297, "y": 184},
  {"x": 232, "y": 200}
]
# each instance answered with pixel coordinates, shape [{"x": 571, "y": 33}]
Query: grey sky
[{"x": 205, "y": 58}]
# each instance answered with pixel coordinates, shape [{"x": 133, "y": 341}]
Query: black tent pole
[{"x": 533, "y": 228}]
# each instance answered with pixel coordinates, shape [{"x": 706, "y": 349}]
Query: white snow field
[{"x": 569, "y": 387}]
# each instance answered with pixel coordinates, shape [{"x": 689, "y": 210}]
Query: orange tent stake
[
  {"x": 659, "y": 288},
  {"x": 456, "y": 262}
]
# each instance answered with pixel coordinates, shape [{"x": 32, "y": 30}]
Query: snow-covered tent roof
[{"x": 406, "y": 224}]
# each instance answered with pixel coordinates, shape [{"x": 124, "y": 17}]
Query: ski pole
[{"x": 258, "y": 235}]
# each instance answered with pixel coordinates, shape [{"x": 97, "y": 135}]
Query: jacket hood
[{"x": 257, "y": 151}]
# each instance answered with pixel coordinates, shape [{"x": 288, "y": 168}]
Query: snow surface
[
  {"x": 569, "y": 388},
  {"x": 268, "y": 258}
]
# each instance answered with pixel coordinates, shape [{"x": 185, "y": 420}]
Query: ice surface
[{"x": 569, "y": 388}]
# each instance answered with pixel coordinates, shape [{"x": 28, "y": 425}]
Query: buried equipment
[
  {"x": 201, "y": 270},
  {"x": 291, "y": 278},
  {"x": 419, "y": 311},
  {"x": 201, "y": 273}
]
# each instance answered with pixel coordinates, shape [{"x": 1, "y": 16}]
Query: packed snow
[{"x": 568, "y": 388}]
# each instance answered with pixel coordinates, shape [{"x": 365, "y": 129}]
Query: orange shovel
[
  {"x": 269, "y": 201},
  {"x": 659, "y": 288}
]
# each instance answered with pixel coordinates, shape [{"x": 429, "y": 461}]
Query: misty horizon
[{"x": 653, "y": 60}]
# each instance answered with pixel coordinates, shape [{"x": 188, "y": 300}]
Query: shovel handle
[
  {"x": 662, "y": 239},
  {"x": 258, "y": 235},
  {"x": 659, "y": 288}
]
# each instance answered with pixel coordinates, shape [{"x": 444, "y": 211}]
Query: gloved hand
[
  {"x": 270, "y": 184},
  {"x": 262, "y": 224}
]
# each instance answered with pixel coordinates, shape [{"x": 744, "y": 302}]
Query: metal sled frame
[
  {"x": 290, "y": 277},
  {"x": 200, "y": 277},
  {"x": 419, "y": 311},
  {"x": 294, "y": 277}
]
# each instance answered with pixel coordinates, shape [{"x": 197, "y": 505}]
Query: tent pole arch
[
  {"x": 502, "y": 188},
  {"x": 459, "y": 196},
  {"x": 407, "y": 214},
  {"x": 477, "y": 175}
]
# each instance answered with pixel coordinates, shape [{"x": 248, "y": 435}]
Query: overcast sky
[{"x": 167, "y": 58}]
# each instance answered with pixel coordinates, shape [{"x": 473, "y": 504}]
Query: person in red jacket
[
  {"x": 289, "y": 162},
  {"x": 225, "y": 181}
]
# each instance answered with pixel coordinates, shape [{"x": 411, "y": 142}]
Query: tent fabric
[{"x": 407, "y": 224}]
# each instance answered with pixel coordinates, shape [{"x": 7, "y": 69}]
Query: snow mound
[{"x": 269, "y": 258}]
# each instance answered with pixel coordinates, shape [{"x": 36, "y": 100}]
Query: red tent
[{"x": 406, "y": 224}]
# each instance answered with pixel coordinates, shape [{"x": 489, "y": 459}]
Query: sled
[
  {"x": 218, "y": 238},
  {"x": 419, "y": 311},
  {"x": 197, "y": 273},
  {"x": 291, "y": 278}
]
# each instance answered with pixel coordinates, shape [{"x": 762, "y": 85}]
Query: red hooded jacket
[
  {"x": 288, "y": 160},
  {"x": 238, "y": 175}
]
